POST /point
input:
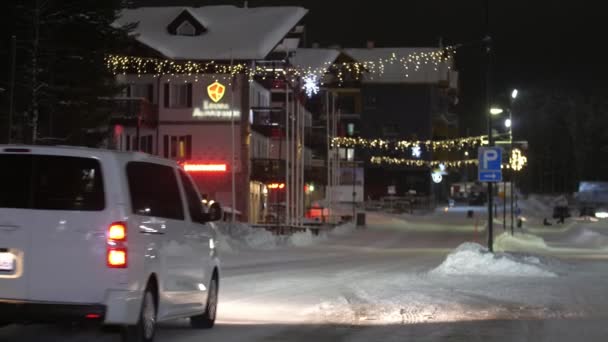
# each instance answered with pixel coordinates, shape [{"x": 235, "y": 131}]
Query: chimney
[
  {"x": 371, "y": 44},
  {"x": 316, "y": 45}
]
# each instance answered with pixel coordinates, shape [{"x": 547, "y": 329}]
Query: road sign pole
[{"x": 488, "y": 84}]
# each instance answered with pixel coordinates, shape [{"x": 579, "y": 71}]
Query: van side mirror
[{"x": 214, "y": 213}]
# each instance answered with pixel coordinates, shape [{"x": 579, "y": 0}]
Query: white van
[{"x": 94, "y": 235}]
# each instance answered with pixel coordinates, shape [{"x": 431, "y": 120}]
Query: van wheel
[
  {"x": 207, "y": 320},
  {"x": 145, "y": 328}
]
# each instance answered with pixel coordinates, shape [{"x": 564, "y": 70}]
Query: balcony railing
[{"x": 133, "y": 112}]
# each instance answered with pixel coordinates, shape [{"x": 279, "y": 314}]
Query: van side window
[
  {"x": 154, "y": 191},
  {"x": 194, "y": 203}
]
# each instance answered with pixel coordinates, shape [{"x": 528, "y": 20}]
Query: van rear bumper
[{"x": 16, "y": 311}]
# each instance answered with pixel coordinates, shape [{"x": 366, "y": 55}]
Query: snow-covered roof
[
  {"x": 396, "y": 73},
  {"x": 232, "y": 32},
  {"x": 314, "y": 58}
]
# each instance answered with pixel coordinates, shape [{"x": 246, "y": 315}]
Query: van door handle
[
  {"x": 8, "y": 227},
  {"x": 150, "y": 230}
]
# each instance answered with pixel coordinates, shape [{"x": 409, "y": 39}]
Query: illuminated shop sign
[
  {"x": 216, "y": 91},
  {"x": 200, "y": 167},
  {"x": 213, "y": 109},
  {"x": 276, "y": 186}
]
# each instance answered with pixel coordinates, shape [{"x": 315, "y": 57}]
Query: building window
[
  {"x": 390, "y": 130},
  {"x": 178, "y": 95},
  {"x": 178, "y": 147},
  {"x": 143, "y": 91},
  {"x": 342, "y": 153},
  {"x": 347, "y": 154},
  {"x": 186, "y": 29},
  {"x": 350, "y": 154},
  {"x": 350, "y": 129},
  {"x": 146, "y": 144}
]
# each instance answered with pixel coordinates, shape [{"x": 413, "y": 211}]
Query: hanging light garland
[
  {"x": 516, "y": 162},
  {"x": 412, "y": 62},
  {"x": 408, "y": 145},
  {"x": 378, "y": 160}
]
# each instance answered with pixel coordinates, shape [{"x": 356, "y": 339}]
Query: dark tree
[
  {"x": 568, "y": 140},
  {"x": 61, "y": 76}
]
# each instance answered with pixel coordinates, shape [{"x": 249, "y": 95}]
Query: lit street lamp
[
  {"x": 514, "y": 94},
  {"x": 508, "y": 123},
  {"x": 496, "y": 111}
]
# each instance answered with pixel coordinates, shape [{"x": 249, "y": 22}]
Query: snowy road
[{"x": 375, "y": 285}]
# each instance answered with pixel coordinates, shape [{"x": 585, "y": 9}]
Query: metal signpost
[{"x": 490, "y": 171}]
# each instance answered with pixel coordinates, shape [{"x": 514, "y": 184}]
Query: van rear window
[{"x": 50, "y": 183}]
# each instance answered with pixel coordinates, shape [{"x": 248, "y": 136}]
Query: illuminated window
[
  {"x": 178, "y": 147},
  {"x": 346, "y": 154},
  {"x": 350, "y": 154},
  {"x": 350, "y": 129}
]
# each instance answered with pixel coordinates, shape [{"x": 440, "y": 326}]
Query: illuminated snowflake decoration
[
  {"x": 311, "y": 85},
  {"x": 518, "y": 160},
  {"x": 437, "y": 177},
  {"x": 416, "y": 151}
]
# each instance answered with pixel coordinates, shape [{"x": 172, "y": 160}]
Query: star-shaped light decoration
[
  {"x": 416, "y": 151},
  {"x": 311, "y": 85}
]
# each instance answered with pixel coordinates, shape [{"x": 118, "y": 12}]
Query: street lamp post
[{"x": 514, "y": 94}]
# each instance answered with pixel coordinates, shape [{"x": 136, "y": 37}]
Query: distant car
[{"x": 115, "y": 238}]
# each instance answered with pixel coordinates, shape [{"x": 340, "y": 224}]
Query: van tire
[
  {"x": 207, "y": 320},
  {"x": 145, "y": 329}
]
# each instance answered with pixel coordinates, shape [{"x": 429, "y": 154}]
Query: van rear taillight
[
  {"x": 117, "y": 232},
  {"x": 116, "y": 255}
]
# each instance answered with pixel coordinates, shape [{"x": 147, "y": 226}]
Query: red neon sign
[
  {"x": 194, "y": 167},
  {"x": 275, "y": 186}
]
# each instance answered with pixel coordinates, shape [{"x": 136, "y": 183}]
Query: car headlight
[{"x": 601, "y": 215}]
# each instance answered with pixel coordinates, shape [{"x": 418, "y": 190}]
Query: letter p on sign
[{"x": 489, "y": 156}]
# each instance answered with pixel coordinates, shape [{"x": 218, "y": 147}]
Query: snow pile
[
  {"x": 587, "y": 238},
  {"x": 242, "y": 236},
  {"x": 519, "y": 242},
  {"x": 474, "y": 259},
  {"x": 305, "y": 239},
  {"x": 342, "y": 230}
]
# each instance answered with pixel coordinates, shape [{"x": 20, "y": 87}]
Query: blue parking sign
[{"x": 490, "y": 164}]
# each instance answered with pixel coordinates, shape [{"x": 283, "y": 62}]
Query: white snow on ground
[
  {"x": 240, "y": 237},
  {"x": 519, "y": 242},
  {"x": 473, "y": 259},
  {"x": 233, "y": 238}
]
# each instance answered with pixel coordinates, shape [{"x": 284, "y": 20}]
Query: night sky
[{"x": 536, "y": 43}]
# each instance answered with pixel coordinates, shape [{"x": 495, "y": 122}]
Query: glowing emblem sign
[
  {"x": 216, "y": 91},
  {"x": 213, "y": 109}
]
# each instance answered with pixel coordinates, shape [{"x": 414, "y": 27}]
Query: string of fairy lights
[
  {"x": 406, "y": 145},
  {"x": 516, "y": 162},
  {"x": 410, "y": 63}
]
